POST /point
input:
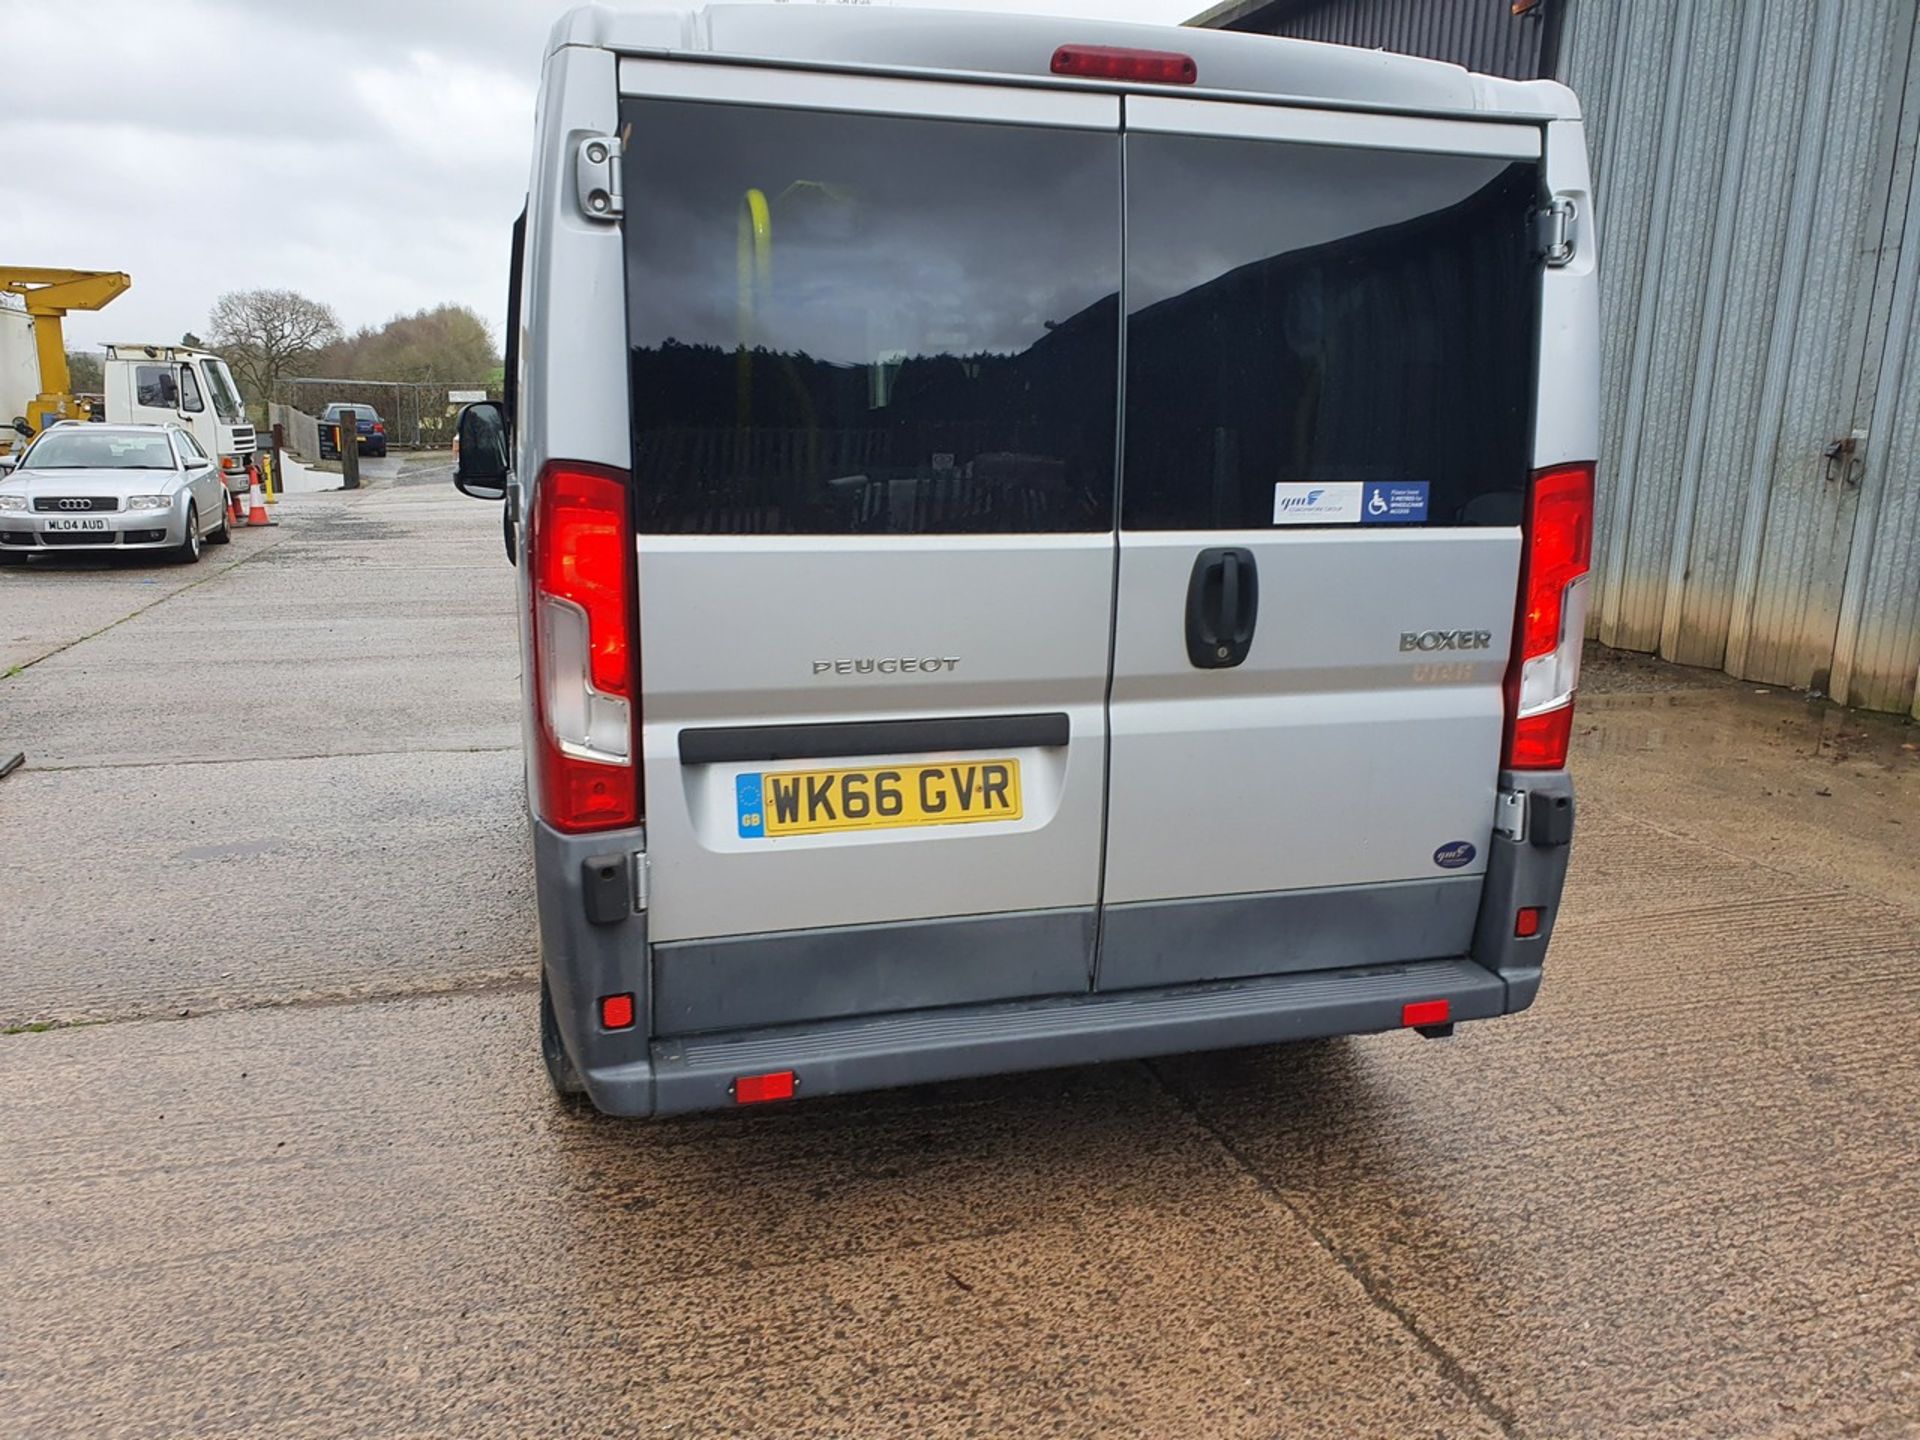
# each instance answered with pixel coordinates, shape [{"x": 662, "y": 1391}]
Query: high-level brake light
[
  {"x": 1545, "y": 671},
  {"x": 1114, "y": 62},
  {"x": 580, "y": 549}
]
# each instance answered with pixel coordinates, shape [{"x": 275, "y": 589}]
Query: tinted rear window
[
  {"x": 1301, "y": 314},
  {"x": 847, "y": 324}
]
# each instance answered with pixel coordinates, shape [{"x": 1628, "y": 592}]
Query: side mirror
[
  {"x": 480, "y": 466},
  {"x": 7, "y": 462}
]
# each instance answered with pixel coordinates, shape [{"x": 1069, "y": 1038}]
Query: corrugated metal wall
[
  {"x": 1483, "y": 35},
  {"x": 1754, "y": 169},
  {"x": 1878, "y": 652},
  {"x": 1755, "y": 164}
]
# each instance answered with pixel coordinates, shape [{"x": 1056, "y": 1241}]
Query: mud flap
[{"x": 1521, "y": 873}]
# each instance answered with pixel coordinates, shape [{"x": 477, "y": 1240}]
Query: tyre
[
  {"x": 12, "y": 557},
  {"x": 560, "y": 1072},
  {"x": 188, "y": 550},
  {"x": 224, "y": 535}
]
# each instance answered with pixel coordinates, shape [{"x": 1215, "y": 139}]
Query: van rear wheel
[{"x": 560, "y": 1072}]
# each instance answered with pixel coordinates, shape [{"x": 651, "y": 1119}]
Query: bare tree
[{"x": 267, "y": 334}]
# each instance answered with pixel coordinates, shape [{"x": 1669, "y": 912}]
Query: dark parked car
[{"x": 373, "y": 430}]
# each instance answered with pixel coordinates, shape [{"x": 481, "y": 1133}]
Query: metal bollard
[
  {"x": 279, "y": 439},
  {"x": 346, "y": 440}
]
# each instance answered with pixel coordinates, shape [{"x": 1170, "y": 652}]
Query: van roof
[{"x": 972, "y": 42}]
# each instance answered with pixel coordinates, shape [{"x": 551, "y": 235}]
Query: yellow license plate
[{"x": 876, "y": 797}]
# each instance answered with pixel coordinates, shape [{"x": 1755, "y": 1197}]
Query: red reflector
[
  {"x": 1426, "y": 1012},
  {"x": 616, "y": 1012},
  {"x": 754, "y": 1089},
  {"x": 1113, "y": 62},
  {"x": 1526, "y": 922}
]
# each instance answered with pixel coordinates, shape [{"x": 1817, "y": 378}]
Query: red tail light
[
  {"x": 1558, "y": 551},
  {"x": 580, "y": 554},
  {"x": 379, "y": 428},
  {"x": 1112, "y": 62}
]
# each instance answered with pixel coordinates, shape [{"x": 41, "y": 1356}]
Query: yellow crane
[{"x": 49, "y": 294}]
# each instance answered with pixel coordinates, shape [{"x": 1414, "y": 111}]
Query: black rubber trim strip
[{"x": 722, "y": 744}]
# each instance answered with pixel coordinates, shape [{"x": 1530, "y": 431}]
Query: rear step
[{"x": 874, "y": 1052}]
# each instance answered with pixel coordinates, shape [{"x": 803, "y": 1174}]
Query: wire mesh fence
[{"x": 417, "y": 415}]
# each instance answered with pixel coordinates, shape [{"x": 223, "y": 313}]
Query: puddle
[{"x": 1633, "y": 704}]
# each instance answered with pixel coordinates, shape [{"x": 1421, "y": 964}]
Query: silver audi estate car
[{"x": 112, "y": 487}]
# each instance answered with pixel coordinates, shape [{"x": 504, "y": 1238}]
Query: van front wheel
[
  {"x": 560, "y": 1072},
  {"x": 188, "y": 550}
]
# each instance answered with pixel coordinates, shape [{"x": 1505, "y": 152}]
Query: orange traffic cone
[
  {"x": 256, "y": 502},
  {"x": 233, "y": 510}
]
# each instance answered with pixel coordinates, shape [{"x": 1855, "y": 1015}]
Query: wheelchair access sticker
[
  {"x": 1350, "y": 502},
  {"x": 1397, "y": 502}
]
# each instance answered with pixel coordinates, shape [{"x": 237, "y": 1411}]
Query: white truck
[
  {"x": 190, "y": 388},
  {"x": 19, "y": 371}
]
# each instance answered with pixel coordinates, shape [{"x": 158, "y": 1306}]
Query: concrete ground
[{"x": 287, "y": 1164}]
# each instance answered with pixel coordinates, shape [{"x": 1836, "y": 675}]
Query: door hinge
[
  {"x": 1510, "y": 814},
  {"x": 1556, "y": 229},
  {"x": 596, "y": 175}
]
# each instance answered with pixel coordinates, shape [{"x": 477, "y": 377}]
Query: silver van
[{"x": 1040, "y": 541}]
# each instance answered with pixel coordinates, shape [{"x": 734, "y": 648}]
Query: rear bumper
[
  {"x": 629, "y": 1072},
  {"x": 697, "y": 1072}
]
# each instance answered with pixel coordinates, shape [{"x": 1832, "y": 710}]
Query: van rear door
[
  {"x": 874, "y": 351},
  {"x": 1330, "y": 343}
]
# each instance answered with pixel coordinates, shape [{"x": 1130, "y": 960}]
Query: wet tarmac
[{"x": 1677, "y": 1198}]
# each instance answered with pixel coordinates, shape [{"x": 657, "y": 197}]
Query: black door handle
[{"x": 1223, "y": 602}]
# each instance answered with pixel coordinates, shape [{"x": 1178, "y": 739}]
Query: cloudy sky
[{"x": 368, "y": 153}]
